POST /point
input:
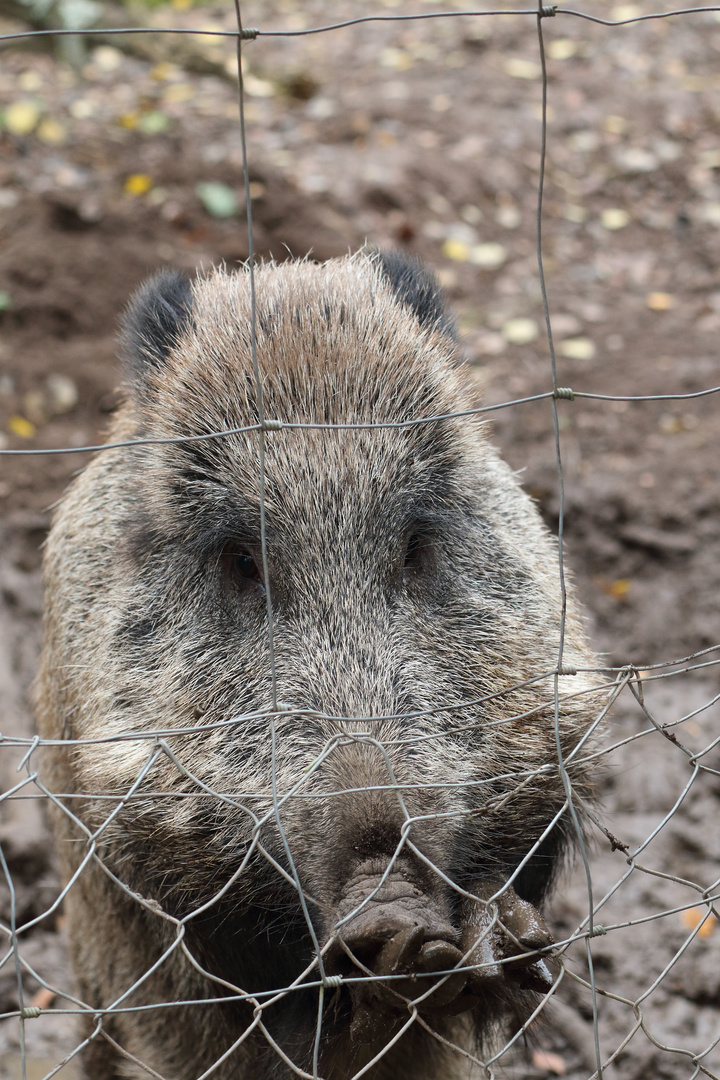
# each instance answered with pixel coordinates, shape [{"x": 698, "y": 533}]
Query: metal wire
[{"x": 266, "y": 808}]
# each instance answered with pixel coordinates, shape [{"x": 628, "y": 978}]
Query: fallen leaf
[
  {"x": 488, "y": 256},
  {"x": 50, "y": 131},
  {"x": 153, "y": 122},
  {"x": 138, "y": 184},
  {"x": 520, "y": 331},
  {"x": 573, "y": 212},
  {"x": 517, "y": 68},
  {"x": 625, "y": 11},
  {"x": 635, "y": 159},
  {"x": 107, "y": 58},
  {"x": 254, "y": 86},
  {"x": 660, "y": 301},
  {"x": 21, "y": 427},
  {"x": 30, "y": 81},
  {"x": 82, "y": 108},
  {"x": 545, "y": 1059},
  {"x": 710, "y": 212},
  {"x": 508, "y": 216},
  {"x": 179, "y": 92},
  {"x": 62, "y": 394},
  {"x": 562, "y": 49},
  {"x": 614, "y": 218},
  {"x": 397, "y": 59},
  {"x": 577, "y": 348},
  {"x": 693, "y": 917},
  {"x": 163, "y": 71},
  {"x": 219, "y": 200},
  {"x": 615, "y": 125},
  {"x": 129, "y": 120},
  {"x": 43, "y": 999},
  {"x": 33, "y": 404},
  {"x": 21, "y": 117},
  {"x": 671, "y": 425},
  {"x": 456, "y": 249}
]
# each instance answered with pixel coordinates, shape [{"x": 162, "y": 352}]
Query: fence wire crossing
[{"x": 290, "y": 885}]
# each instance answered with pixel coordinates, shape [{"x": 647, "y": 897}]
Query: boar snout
[{"x": 413, "y": 957}]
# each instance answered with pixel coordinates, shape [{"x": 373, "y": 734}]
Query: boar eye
[
  {"x": 245, "y": 567},
  {"x": 241, "y": 567}
]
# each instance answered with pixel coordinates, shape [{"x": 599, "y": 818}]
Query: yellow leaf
[
  {"x": 456, "y": 249},
  {"x": 671, "y": 425},
  {"x": 129, "y": 120},
  {"x": 164, "y": 71},
  {"x": 660, "y": 301},
  {"x": 138, "y": 184},
  {"x": 50, "y": 131},
  {"x": 614, "y": 218},
  {"x": 21, "y": 117},
  {"x": 21, "y": 427},
  {"x": 620, "y": 588}
]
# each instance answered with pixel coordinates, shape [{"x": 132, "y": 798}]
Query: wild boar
[{"x": 299, "y": 684}]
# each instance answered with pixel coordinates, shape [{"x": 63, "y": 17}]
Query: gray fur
[{"x": 408, "y": 572}]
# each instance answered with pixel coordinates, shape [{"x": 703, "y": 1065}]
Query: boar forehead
[{"x": 334, "y": 346}]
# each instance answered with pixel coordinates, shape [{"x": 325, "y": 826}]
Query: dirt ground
[{"x": 423, "y": 135}]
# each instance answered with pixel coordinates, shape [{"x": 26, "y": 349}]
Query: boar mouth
[{"x": 401, "y": 955}]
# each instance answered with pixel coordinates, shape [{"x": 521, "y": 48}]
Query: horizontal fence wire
[{"x": 341, "y": 976}]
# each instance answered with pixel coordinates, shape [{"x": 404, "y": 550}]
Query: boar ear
[
  {"x": 155, "y": 319},
  {"x": 417, "y": 288}
]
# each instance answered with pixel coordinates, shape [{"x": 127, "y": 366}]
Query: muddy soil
[{"x": 425, "y": 136}]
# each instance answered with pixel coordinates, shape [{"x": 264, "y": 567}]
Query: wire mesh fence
[{"x": 317, "y": 724}]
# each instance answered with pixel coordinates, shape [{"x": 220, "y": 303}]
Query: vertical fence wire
[{"x": 316, "y": 976}]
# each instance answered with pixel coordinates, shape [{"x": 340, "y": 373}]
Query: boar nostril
[
  {"x": 407, "y": 953},
  {"x": 439, "y": 956},
  {"x": 400, "y": 952}
]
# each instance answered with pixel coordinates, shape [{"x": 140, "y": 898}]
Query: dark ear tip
[
  {"x": 416, "y": 287},
  {"x": 155, "y": 319}
]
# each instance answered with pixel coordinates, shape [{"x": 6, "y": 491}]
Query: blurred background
[{"x": 121, "y": 155}]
